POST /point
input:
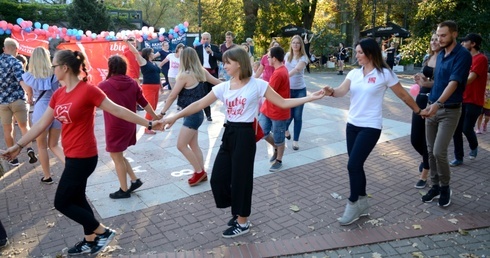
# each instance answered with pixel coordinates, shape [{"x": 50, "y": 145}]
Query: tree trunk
[
  {"x": 250, "y": 8},
  {"x": 308, "y": 13},
  {"x": 356, "y": 28}
]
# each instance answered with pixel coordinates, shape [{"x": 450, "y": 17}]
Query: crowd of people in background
[{"x": 453, "y": 100}]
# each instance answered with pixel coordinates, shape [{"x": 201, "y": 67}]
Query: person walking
[
  {"x": 173, "y": 61},
  {"x": 272, "y": 118},
  {"x": 444, "y": 109},
  {"x": 232, "y": 176},
  {"x": 341, "y": 56},
  {"x": 190, "y": 87},
  {"x": 265, "y": 70},
  {"x": 41, "y": 79},
  {"x": 227, "y": 45},
  {"x": 296, "y": 61},
  {"x": 119, "y": 133},
  {"x": 473, "y": 100},
  {"x": 425, "y": 80},
  {"x": 74, "y": 106},
  {"x": 163, "y": 53},
  {"x": 209, "y": 55},
  {"x": 15, "y": 97},
  {"x": 367, "y": 86},
  {"x": 151, "y": 78}
]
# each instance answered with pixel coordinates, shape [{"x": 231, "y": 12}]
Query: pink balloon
[
  {"x": 29, "y": 24},
  {"x": 186, "y": 24},
  {"x": 16, "y": 28},
  {"x": 161, "y": 38},
  {"x": 170, "y": 36},
  {"x": 414, "y": 90}
]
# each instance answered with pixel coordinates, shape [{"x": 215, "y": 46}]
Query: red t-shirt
[
  {"x": 76, "y": 112},
  {"x": 133, "y": 70},
  {"x": 475, "y": 91},
  {"x": 280, "y": 83}
]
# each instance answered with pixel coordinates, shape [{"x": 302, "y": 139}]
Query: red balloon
[
  {"x": 64, "y": 30},
  {"x": 10, "y": 26},
  {"x": 16, "y": 28}
]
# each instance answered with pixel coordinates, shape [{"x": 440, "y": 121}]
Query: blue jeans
[
  {"x": 297, "y": 113},
  {"x": 469, "y": 115},
  {"x": 276, "y": 127},
  {"x": 360, "y": 143}
]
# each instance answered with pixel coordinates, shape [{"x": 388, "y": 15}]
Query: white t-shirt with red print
[{"x": 242, "y": 104}]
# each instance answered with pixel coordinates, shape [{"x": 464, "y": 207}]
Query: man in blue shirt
[
  {"x": 12, "y": 96},
  {"x": 450, "y": 76}
]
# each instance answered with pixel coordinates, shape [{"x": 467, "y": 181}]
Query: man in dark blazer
[{"x": 209, "y": 55}]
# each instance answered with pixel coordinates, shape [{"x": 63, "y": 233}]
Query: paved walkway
[{"x": 168, "y": 218}]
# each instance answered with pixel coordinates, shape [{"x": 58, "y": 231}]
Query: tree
[{"x": 88, "y": 15}]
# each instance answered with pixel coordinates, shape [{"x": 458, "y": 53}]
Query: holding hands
[
  {"x": 328, "y": 90},
  {"x": 10, "y": 153},
  {"x": 420, "y": 79}
]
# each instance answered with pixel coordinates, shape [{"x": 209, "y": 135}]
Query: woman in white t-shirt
[
  {"x": 173, "y": 70},
  {"x": 232, "y": 175},
  {"x": 296, "y": 61},
  {"x": 367, "y": 86}
]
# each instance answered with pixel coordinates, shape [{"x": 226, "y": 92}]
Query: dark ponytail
[{"x": 75, "y": 60}]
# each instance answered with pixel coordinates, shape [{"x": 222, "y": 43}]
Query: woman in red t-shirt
[{"x": 74, "y": 106}]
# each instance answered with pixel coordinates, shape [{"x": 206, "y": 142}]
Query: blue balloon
[
  {"x": 37, "y": 25},
  {"x": 19, "y": 20},
  {"x": 78, "y": 37},
  {"x": 185, "y": 30},
  {"x": 80, "y": 33},
  {"x": 27, "y": 29},
  {"x": 93, "y": 35},
  {"x": 1, "y": 31},
  {"x": 68, "y": 32},
  {"x": 108, "y": 38},
  {"x": 145, "y": 37},
  {"x": 8, "y": 31},
  {"x": 45, "y": 26}
]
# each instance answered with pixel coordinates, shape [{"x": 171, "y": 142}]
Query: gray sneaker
[
  {"x": 363, "y": 205},
  {"x": 352, "y": 213},
  {"x": 276, "y": 166}
]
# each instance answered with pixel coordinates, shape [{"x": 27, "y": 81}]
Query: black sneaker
[
  {"x": 421, "y": 184},
  {"x": 445, "y": 198},
  {"x": 236, "y": 230},
  {"x": 274, "y": 156},
  {"x": 14, "y": 162},
  {"x": 47, "y": 181},
  {"x": 232, "y": 221},
  {"x": 210, "y": 119},
  {"x": 32, "y": 155},
  {"x": 103, "y": 240},
  {"x": 4, "y": 243},
  {"x": 135, "y": 185},
  {"x": 432, "y": 194},
  {"x": 120, "y": 194},
  {"x": 82, "y": 247}
]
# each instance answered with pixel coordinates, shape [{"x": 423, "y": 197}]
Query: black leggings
[
  {"x": 417, "y": 134},
  {"x": 232, "y": 178},
  {"x": 70, "y": 196}
]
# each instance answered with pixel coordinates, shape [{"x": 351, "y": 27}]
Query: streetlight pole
[{"x": 199, "y": 13}]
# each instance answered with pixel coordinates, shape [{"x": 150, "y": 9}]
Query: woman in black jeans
[
  {"x": 367, "y": 86},
  {"x": 74, "y": 106},
  {"x": 417, "y": 134}
]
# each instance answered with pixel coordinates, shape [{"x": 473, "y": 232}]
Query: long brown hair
[
  {"x": 373, "y": 52},
  {"x": 239, "y": 55}
]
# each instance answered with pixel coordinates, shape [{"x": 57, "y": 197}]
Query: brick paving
[{"x": 192, "y": 226}]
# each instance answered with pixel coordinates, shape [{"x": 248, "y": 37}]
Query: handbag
[{"x": 259, "y": 133}]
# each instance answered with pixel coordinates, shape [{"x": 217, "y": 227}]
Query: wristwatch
[
  {"x": 150, "y": 125},
  {"x": 440, "y": 104}
]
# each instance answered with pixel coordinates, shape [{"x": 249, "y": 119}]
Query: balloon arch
[{"x": 48, "y": 32}]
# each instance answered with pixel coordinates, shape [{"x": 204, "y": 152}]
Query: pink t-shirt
[{"x": 268, "y": 70}]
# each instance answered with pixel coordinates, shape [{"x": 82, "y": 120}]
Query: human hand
[
  {"x": 419, "y": 79},
  {"x": 328, "y": 90},
  {"x": 317, "y": 95},
  {"x": 158, "y": 125},
  {"x": 10, "y": 153},
  {"x": 429, "y": 111},
  {"x": 169, "y": 121}
]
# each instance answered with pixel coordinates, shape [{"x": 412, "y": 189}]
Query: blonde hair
[
  {"x": 40, "y": 64},
  {"x": 301, "y": 50},
  {"x": 189, "y": 62}
]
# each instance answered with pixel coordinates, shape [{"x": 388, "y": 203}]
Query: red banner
[
  {"x": 29, "y": 41},
  {"x": 97, "y": 54}
]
